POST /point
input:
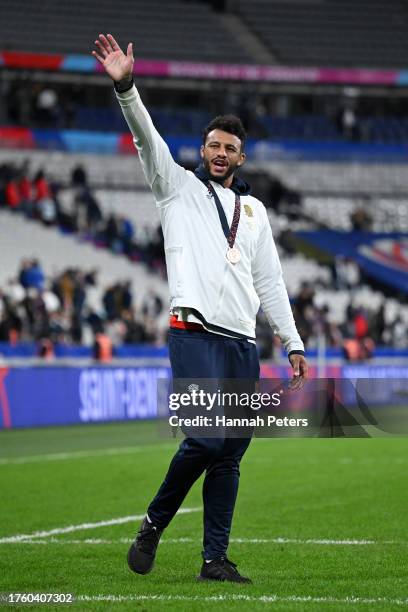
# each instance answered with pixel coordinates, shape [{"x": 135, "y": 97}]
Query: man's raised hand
[{"x": 117, "y": 65}]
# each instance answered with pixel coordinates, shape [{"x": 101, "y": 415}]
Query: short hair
[{"x": 226, "y": 123}]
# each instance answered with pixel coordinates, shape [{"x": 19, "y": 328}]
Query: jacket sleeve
[
  {"x": 163, "y": 175},
  {"x": 271, "y": 290}
]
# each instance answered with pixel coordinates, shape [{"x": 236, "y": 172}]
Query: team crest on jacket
[{"x": 248, "y": 210}]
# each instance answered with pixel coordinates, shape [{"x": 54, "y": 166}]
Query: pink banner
[
  {"x": 232, "y": 72},
  {"x": 247, "y": 72},
  {"x": 358, "y": 76},
  {"x": 226, "y": 72}
]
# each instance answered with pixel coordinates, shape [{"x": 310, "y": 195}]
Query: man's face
[{"x": 221, "y": 154}]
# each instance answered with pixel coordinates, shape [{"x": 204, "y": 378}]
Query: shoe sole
[
  {"x": 139, "y": 572},
  {"x": 203, "y": 579}
]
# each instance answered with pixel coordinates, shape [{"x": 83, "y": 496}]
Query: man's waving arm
[{"x": 164, "y": 176}]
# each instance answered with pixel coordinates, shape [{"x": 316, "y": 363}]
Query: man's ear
[
  {"x": 202, "y": 151},
  {"x": 242, "y": 160}
]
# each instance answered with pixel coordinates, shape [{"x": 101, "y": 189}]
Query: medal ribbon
[{"x": 229, "y": 232}]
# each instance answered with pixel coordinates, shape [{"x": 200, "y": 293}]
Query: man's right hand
[{"x": 117, "y": 65}]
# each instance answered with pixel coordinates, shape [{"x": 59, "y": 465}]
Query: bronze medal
[{"x": 233, "y": 255}]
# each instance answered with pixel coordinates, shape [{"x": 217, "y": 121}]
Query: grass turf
[{"x": 303, "y": 489}]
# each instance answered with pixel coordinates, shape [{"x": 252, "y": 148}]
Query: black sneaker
[
  {"x": 141, "y": 554},
  {"x": 222, "y": 569}
]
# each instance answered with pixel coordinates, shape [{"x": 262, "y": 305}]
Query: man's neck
[{"x": 227, "y": 184}]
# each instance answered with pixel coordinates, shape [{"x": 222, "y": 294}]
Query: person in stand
[
  {"x": 222, "y": 264},
  {"x": 103, "y": 350}
]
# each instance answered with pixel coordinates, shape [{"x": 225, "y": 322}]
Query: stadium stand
[
  {"x": 387, "y": 215},
  {"x": 138, "y": 206},
  {"x": 155, "y": 27},
  {"x": 180, "y": 121},
  {"x": 187, "y": 121},
  {"x": 60, "y": 305},
  {"x": 55, "y": 250},
  {"x": 297, "y": 269},
  {"x": 125, "y": 172},
  {"x": 339, "y": 178},
  {"x": 367, "y": 33},
  {"x": 333, "y": 299},
  {"x": 22, "y": 238},
  {"x": 384, "y": 129},
  {"x": 114, "y": 171},
  {"x": 304, "y": 127},
  {"x": 364, "y": 297}
]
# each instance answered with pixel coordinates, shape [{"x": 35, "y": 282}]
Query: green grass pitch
[{"x": 319, "y": 524}]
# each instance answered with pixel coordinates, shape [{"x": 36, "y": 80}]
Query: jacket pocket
[{"x": 174, "y": 259}]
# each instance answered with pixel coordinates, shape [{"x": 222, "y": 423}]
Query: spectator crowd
[
  {"x": 71, "y": 308},
  {"x": 362, "y": 329},
  {"x": 63, "y": 309},
  {"x": 41, "y": 200}
]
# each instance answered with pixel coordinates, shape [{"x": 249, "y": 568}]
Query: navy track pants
[{"x": 205, "y": 355}]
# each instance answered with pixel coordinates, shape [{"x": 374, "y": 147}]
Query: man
[{"x": 222, "y": 263}]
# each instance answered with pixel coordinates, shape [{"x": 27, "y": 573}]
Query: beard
[{"x": 219, "y": 179}]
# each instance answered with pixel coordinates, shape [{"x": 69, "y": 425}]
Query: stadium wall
[{"x": 38, "y": 396}]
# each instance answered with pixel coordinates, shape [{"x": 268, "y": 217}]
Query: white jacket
[{"x": 200, "y": 277}]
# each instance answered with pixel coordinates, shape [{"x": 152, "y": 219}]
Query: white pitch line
[
  {"x": 308, "y": 541},
  {"x": 120, "y": 450},
  {"x": 23, "y": 537},
  {"x": 102, "y": 541},
  {"x": 246, "y": 598}
]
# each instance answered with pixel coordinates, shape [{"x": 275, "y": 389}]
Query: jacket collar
[{"x": 239, "y": 186}]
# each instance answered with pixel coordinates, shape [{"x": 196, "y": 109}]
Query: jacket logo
[{"x": 248, "y": 210}]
